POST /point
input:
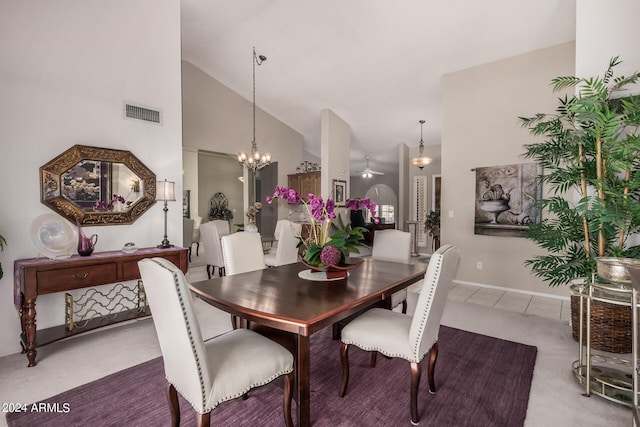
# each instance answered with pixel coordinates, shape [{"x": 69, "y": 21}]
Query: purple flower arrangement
[
  {"x": 116, "y": 203},
  {"x": 322, "y": 249}
]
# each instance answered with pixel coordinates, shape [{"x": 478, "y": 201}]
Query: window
[
  {"x": 386, "y": 213},
  {"x": 386, "y": 201}
]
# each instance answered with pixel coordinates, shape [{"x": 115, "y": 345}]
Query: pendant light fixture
[
  {"x": 255, "y": 160},
  {"x": 422, "y": 160}
]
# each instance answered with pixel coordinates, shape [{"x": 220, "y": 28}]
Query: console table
[{"x": 39, "y": 276}]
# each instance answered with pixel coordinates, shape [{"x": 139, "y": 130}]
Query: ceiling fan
[{"x": 367, "y": 172}]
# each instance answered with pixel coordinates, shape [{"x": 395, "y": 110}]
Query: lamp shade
[
  {"x": 165, "y": 190},
  {"x": 421, "y": 161}
]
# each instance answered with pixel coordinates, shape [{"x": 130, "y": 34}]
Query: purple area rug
[{"x": 481, "y": 381}]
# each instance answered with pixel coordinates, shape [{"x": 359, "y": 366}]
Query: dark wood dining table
[{"x": 279, "y": 299}]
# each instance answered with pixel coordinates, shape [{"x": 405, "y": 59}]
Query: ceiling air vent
[{"x": 139, "y": 112}]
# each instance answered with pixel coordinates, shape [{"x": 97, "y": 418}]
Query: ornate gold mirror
[{"x": 97, "y": 186}]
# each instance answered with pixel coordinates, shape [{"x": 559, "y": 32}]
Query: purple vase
[{"x": 86, "y": 245}]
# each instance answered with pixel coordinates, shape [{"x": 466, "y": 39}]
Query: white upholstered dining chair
[
  {"x": 242, "y": 252},
  {"x": 286, "y": 251},
  {"x": 399, "y": 335},
  {"x": 210, "y": 234},
  {"x": 223, "y": 368},
  {"x": 394, "y": 246}
]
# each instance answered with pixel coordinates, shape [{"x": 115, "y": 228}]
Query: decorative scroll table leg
[
  {"x": 23, "y": 321},
  {"x": 30, "y": 326}
]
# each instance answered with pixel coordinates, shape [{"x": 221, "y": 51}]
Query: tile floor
[{"x": 553, "y": 308}]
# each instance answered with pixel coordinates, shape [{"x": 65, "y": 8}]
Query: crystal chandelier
[
  {"x": 422, "y": 160},
  {"x": 255, "y": 160}
]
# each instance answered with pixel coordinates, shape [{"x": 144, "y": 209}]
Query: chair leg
[
  {"x": 433, "y": 356},
  {"x": 221, "y": 271},
  {"x": 344, "y": 358},
  {"x": 289, "y": 380},
  {"x": 204, "y": 420},
  {"x": 198, "y": 249},
  {"x": 415, "y": 384},
  {"x": 404, "y": 307},
  {"x": 189, "y": 253},
  {"x": 335, "y": 331},
  {"x": 174, "y": 405},
  {"x": 374, "y": 357},
  {"x": 234, "y": 321},
  {"x": 209, "y": 268}
]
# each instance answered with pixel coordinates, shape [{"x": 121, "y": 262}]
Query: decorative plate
[
  {"x": 53, "y": 236},
  {"x": 318, "y": 276}
]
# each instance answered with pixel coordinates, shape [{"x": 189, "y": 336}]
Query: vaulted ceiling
[{"x": 378, "y": 64}]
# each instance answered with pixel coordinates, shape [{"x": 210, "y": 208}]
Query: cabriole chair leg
[
  {"x": 344, "y": 358},
  {"x": 204, "y": 420},
  {"x": 289, "y": 380},
  {"x": 174, "y": 405},
  {"x": 415, "y": 384},
  {"x": 433, "y": 356}
]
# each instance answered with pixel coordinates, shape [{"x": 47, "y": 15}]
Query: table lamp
[{"x": 165, "y": 192}]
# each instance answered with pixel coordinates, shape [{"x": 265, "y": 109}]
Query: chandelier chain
[
  {"x": 253, "y": 63},
  {"x": 421, "y": 161},
  {"x": 254, "y": 161}
]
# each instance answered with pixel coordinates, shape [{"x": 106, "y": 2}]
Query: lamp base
[{"x": 164, "y": 245}]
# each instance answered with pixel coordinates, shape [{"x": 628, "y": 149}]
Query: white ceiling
[{"x": 378, "y": 64}]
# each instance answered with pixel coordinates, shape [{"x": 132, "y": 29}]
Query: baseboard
[{"x": 518, "y": 291}]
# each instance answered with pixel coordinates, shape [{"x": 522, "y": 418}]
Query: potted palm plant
[
  {"x": 432, "y": 225},
  {"x": 590, "y": 155}
]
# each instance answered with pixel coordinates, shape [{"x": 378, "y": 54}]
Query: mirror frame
[{"x": 50, "y": 185}]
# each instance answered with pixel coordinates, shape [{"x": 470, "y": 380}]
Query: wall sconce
[
  {"x": 165, "y": 191},
  {"x": 135, "y": 186}
]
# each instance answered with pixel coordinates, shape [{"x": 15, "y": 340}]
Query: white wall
[
  {"x": 66, "y": 68},
  {"x": 334, "y": 151},
  {"x": 190, "y": 179},
  {"x": 605, "y": 30},
  {"x": 481, "y": 107},
  {"x": 219, "y": 120}
]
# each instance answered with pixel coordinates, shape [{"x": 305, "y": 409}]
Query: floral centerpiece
[
  {"x": 322, "y": 248},
  {"x": 116, "y": 204}
]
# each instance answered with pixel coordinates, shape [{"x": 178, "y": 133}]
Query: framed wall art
[
  {"x": 506, "y": 199},
  {"x": 339, "y": 191}
]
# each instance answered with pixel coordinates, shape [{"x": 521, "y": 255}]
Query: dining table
[{"x": 284, "y": 299}]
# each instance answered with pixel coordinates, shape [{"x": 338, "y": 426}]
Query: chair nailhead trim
[{"x": 176, "y": 283}]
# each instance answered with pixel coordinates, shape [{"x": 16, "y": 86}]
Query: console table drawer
[{"x": 76, "y": 277}]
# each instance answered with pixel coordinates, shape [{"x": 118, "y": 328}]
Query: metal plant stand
[
  {"x": 602, "y": 374},
  {"x": 635, "y": 285}
]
